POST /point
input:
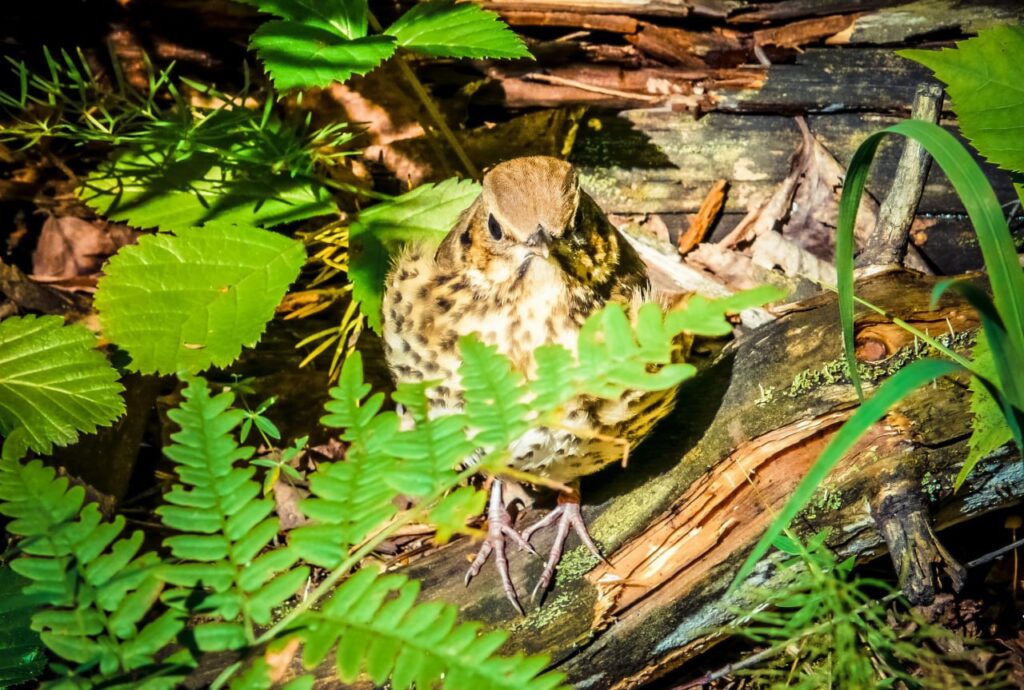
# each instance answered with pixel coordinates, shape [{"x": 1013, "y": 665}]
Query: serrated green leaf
[
  {"x": 348, "y": 18},
  {"x": 151, "y": 189},
  {"x": 982, "y": 77},
  {"x": 444, "y": 28},
  {"x": 192, "y": 300},
  {"x": 53, "y": 381},
  {"x": 425, "y": 214},
  {"x": 989, "y": 430},
  {"x": 317, "y": 42},
  {"x": 299, "y": 56}
]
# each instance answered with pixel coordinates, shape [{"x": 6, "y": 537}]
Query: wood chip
[
  {"x": 691, "y": 49},
  {"x": 799, "y": 34},
  {"x": 701, "y": 223}
]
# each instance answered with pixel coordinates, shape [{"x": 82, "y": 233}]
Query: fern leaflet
[{"x": 225, "y": 527}]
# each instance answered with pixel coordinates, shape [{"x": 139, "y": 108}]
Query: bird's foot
[
  {"x": 567, "y": 515},
  {"x": 499, "y": 529}
]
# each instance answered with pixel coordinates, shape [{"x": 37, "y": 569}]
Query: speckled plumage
[
  {"x": 513, "y": 297},
  {"x": 524, "y": 265}
]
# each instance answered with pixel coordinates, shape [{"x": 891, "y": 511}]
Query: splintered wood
[{"x": 714, "y": 518}]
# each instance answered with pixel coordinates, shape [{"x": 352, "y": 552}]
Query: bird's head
[{"x": 533, "y": 223}]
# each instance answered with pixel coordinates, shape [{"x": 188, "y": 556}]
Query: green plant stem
[{"x": 428, "y": 103}]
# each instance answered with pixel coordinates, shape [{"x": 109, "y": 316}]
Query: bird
[{"x": 523, "y": 266}]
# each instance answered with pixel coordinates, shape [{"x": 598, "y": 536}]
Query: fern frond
[
  {"x": 225, "y": 527},
  {"x": 373, "y": 624},
  {"x": 493, "y": 393},
  {"x": 428, "y": 454},
  {"x": 94, "y": 588},
  {"x": 350, "y": 499}
]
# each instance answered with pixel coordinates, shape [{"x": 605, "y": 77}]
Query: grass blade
[
  {"x": 982, "y": 207},
  {"x": 888, "y": 394}
]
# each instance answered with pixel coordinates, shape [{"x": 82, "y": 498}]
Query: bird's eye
[{"x": 494, "y": 227}]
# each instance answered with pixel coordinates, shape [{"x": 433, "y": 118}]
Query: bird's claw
[
  {"x": 567, "y": 515},
  {"x": 499, "y": 529}
]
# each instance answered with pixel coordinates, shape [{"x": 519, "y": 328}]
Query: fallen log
[{"x": 680, "y": 520}]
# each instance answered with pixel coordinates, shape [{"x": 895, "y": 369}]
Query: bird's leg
[
  {"x": 499, "y": 528},
  {"x": 567, "y": 515}
]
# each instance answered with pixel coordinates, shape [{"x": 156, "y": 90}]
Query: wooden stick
[{"x": 888, "y": 242}]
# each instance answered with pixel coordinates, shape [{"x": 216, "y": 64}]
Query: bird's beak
[{"x": 540, "y": 242}]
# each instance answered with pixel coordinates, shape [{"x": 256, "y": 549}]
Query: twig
[
  {"x": 982, "y": 560},
  {"x": 888, "y": 241},
  {"x": 583, "y": 86}
]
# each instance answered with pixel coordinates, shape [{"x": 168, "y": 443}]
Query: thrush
[{"x": 530, "y": 259}]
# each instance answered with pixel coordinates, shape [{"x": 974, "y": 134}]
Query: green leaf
[
  {"x": 347, "y": 18},
  {"x": 23, "y": 657},
  {"x": 493, "y": 395},
  {"x": 54, "y": 384},
  {"x": 317, "y": 42},
  {"x": 219, "y": 637},
  {"x": 300, "y": 56},
  {"x": 983, "y": 208},
  {"x": 894, "y": 389},
  {"x": 381, "y": 629},
  {"x": 425, "y": 214},
  {"x": 989, "y": 428},
  {"x": 982, "y": 76},
  {"x": 235, "y": 577},
  {"x": 450, "y": 515},
  {"x": 444, "y": 28},
  {"x": 155, "y": 189},
  {"x": 193, "y": 300},
  {"x": 706, "y": 317}
]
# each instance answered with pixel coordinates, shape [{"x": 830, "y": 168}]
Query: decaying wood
[
  {"x": 658, "y": 8},
  {"x": 615, "y": 23},
  {"x": 888, "y": 240},
  {"x": 677, "y": 524},
  {"x": 900, "y": 511}
]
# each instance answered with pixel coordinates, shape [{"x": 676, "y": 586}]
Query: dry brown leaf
[
  {"x": 70, "y": 247},
  {"x": 701, "y": 223},
  {"x": 286, "y": 498}
]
